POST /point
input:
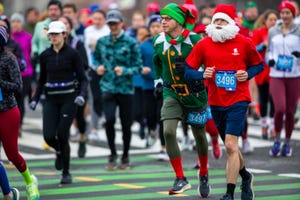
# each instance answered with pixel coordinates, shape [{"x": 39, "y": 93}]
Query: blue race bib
[
  {"x": 1, "y": 97},
  {"x": 197, "y": 118},
  {"x": 226, "y": 79},
  {"x": 284, "y": 63}
]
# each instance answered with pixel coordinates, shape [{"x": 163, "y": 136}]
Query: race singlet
[{"x": 226, "y": 79}]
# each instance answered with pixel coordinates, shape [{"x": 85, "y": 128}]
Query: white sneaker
[
  {"x": 75, "y": 138},
  {"x": 151, "y": 139},
  {"x": 162, "y": 156},
  {"x": 185, "y": 145},
  {"x": 246, "y": 147},
  {"x": 94, "y": 137}
]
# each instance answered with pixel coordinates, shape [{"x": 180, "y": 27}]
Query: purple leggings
[{"x": 285, "y": 93}]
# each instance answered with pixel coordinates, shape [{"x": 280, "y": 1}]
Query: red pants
[{"x": 9, "y": 127}]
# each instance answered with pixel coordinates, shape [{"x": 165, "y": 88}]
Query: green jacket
[
  {"x": 40, "y": 40},
  {"x": 122, "y": 51},
  {"x": 164, "y": 68}
]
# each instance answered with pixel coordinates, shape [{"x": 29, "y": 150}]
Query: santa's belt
[{"x": 180, "y": 89}]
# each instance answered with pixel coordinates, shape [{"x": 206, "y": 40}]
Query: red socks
[{"x": 177, "y": 166}]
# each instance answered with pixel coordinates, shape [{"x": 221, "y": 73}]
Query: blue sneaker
[
  {"x": 275, "y": 149},
  {"x": 286, "y": 150}
]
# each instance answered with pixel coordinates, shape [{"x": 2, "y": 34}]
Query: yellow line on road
[
  {"x": 87, "y": 179},
  {"x": 129, "y": 186}
]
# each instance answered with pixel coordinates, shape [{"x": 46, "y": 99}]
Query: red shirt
[
  {"x": 235, "y": 54},
  {"x": 261, "y": 35}
]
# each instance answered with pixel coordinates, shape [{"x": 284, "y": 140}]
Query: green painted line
[
  {"x": 279, "y": 197},
  {"x": 277, "y": 187}
]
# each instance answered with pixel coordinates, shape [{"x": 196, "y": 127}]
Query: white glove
[
  {"x": 32, "y": 105},
  {"x": 79, "y": 100},
  {"x": 157, "y": 81}
]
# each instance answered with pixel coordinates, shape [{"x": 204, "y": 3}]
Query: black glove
[
  {"x": 180, "y": 64},
  {"x": 271, "y": 63},
  {"x": 35, "y": 59},
  {"x": 196, "y": 86},
  {"x": 296, "y": 54},
  {"x": 158, "y": 91}
]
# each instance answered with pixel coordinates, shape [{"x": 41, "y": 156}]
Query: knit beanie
[
  {"x": 288, "y": 5},
  {"x": 3, "y": 36},
  {"x": 226, "y": 12},
  {"x": 154, "y": 18},
  {"x": 180, "y": 14}
]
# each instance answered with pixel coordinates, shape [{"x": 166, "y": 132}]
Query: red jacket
[{"x": 259, "y": 36}]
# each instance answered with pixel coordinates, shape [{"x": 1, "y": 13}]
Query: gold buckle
[{"x": 184, "y": 86}]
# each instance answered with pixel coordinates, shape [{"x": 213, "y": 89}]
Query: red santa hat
[
  {"x": 289, "y": 5},
  {"x": 226, "y": 12}
]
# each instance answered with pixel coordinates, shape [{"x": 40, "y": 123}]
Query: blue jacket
[{"x": 147, "y": 52}]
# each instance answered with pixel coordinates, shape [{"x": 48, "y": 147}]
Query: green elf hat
[
  {"x": 180, "y": 14},
  {"x": 250, "y": 4}
]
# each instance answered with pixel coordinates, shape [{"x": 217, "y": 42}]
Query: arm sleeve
[
  {"x": 82, "y": 52},
  {"x": 14, "y": 83},
  {"x": 192, "y": 74},
  {"x": 42, "y": 79},
  {"x": 80, "y": 74},
  {"x": 254, "y": 70}
]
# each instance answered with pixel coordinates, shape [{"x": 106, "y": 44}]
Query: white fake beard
[{"x": 226, "y": 32}]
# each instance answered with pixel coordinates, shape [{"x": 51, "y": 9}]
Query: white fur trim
[{"x": 223, "y": 16}]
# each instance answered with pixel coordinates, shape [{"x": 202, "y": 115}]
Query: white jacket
[{"x": 280, "y": 44}]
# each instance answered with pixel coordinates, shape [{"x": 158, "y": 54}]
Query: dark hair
[
  {"x": 70, "y": 5},
  {"x": 101, "y": 12},
  {"x": 55, "y": 2},
  {"x": 69, "y": 20},
  {"x": 31, "y": 9}
]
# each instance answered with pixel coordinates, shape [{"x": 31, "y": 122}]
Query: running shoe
[
  {"x": 275, "y": 151},
  {"x": 125, "y": 164},
  {"x": 227, "y": 197},
  {"x": 203, "y": 187},
  {"x": 286, "y": 150},
  {"x": 246, "y": 147},
  {"x": 247, "y": 188},
  {"x": 32, "y": 189},
  {"x": 112, "y": 162},
  {"x": 82, "y": 149},
  {"x": 162, "y": 156},
  {"x": 151, "y": 139},
  {"x": 94, "y": 137},
  {"x": 15, "y": 194},
  {"x": 66, "y": 178},
  {"x": 180, "y": 185}
]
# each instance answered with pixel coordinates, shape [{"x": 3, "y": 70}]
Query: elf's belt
[{"x": 180, "y": 89}]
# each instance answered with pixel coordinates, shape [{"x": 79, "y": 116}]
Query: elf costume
[{"x": 182, "y": 100}]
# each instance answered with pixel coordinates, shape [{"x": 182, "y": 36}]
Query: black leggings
[
  {"x": 264, "y": 99},
  {"x": 152, "y": 107},
  {"x": 124, "y": 102},
  {"x": 58, "y": 114}
]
